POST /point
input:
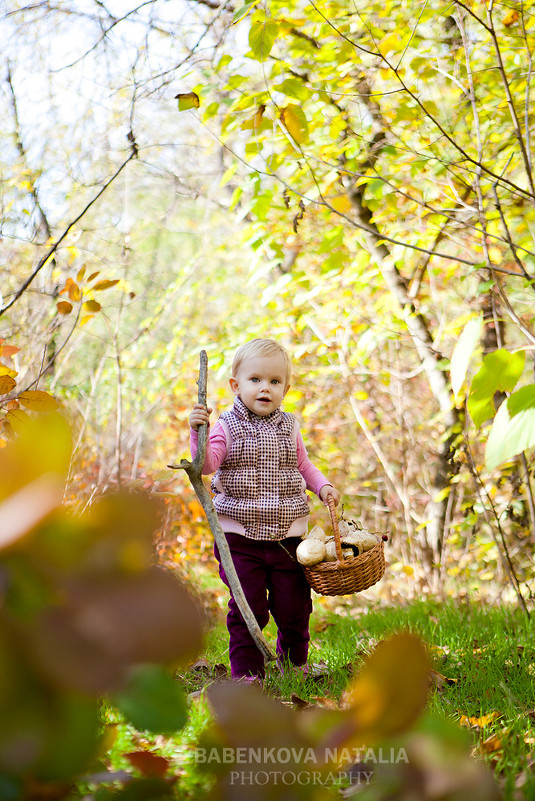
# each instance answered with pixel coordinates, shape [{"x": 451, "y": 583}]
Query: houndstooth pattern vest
[{"x": 258, "y": 484}]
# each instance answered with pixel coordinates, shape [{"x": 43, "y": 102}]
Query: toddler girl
[{"x": 261, "y": 473}]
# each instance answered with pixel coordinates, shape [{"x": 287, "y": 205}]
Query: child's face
[{"x": 261, "y": 383}]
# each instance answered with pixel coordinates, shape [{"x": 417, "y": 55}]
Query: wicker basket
[{"x": 346, "y": 576}]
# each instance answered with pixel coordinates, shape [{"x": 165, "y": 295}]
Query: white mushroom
[
  {"x": 330, "y": 551},
  {"x": 317, "y": 533},
  {"x": 310, "y": 552},
  {"x": 364, "y": 540}
]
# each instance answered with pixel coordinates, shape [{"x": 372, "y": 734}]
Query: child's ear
[
  {"x": 234, "y": 386},
  {"x": 286, "y": 390}
]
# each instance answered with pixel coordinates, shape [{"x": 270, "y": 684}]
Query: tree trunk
[{"x": 419, "y": 331}]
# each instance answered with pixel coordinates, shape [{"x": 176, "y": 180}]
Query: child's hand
[
  {"x": 199, "y": 415},
  {"x": 327, "y": 490}
]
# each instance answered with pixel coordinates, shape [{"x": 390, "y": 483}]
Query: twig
[
  {"x": 20, "y": 291},
  {"x": 194, "y": 473}
]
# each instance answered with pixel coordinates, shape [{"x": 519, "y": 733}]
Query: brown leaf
[
  {"x": 438, "y": 681},
  {"x": 64, "y": 307},
  {"x": 148, "y": 764}
]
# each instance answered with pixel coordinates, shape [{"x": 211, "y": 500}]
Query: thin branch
[
  {"x": 510, "y": 102},
  {"x": 501, "y": 544},
  {"x": 194, "y": 472},
  {"x": 20, "y": 291},
  {"x": 530, "y": 278}
]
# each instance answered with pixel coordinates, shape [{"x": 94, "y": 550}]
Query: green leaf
[
  {"x": 510, "y": 435},
  {"x": 500, "y": 371},
  {"x": 152, "y": 700},
  {"x": 293, "y": 88},
  {"x": 243, "y": 11},
  {"x": 462, "y": 352},
  {"x": 522, "y": 400},
  {"x": 262, "y": 38}
]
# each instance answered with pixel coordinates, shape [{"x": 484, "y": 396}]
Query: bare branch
[{"x": 20, "y": 291}]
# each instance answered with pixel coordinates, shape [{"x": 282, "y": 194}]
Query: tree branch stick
[{"x": 194, "y": 473}]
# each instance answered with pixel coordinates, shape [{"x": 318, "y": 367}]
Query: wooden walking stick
[{"x": 194, "y": 473}]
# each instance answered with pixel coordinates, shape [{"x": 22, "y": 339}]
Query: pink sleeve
[
  {"x": 216, "y": 447},
  {"x": 314, "y": 478}
]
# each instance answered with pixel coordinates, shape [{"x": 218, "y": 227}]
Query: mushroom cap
[
  {"x": 310, "y": 551},
  {"x": 364, "y": 540},
  {"x": 316, "y": 533}
]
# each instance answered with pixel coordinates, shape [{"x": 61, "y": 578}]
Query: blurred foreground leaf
[{"x": 152, "y": 700}]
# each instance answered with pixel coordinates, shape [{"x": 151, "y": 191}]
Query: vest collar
[{"x": 241, "y": 410}]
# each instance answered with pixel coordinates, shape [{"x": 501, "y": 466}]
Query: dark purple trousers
[{"x": 273, "y": 582}]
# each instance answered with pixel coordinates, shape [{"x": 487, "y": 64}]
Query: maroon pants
[{"x": 273, "y": 581}]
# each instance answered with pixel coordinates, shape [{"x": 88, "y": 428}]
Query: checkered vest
[{"x": 258, "y": 484}]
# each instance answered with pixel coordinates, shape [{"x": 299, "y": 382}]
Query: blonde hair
[{"x": 261, "y": 347}]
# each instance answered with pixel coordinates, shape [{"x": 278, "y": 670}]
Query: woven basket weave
[{"x": 346, "y": 576}]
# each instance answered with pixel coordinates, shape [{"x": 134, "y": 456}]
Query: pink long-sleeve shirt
[{"x": 216, "y": 450}]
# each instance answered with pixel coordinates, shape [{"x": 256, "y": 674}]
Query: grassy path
[{"x": 483, "y": 680}]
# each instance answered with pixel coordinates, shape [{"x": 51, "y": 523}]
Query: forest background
[{"x": 354, "y": 181}]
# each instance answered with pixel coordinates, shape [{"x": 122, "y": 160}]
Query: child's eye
[
  {"x": 275, "y": 381},
  {"x": 254, "y": 380}
]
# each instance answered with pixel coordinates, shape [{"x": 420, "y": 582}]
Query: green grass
[{"x": 484, "y": 663}]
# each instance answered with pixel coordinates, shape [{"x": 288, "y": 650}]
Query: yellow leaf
[
  {"x": 408, "y": 570},
  {"x": 5, "y": 370},
  {"x": 391, "y": 690},
  {"x": 80, "y": 274},
  {"x": 92, "y": 306},
  {"x": 105, "y": 284},
  {"x": 294, "y": 120},
  {"x": 491, "y": 745},
  {"x": 86, "y": 319},
  {"x": 73, "y": 253},
  {"x": 75, "y": 292},
  {"x": 187, "y": 100},
  {"x": 341, "y": 203},
  {"x": 64, "y": 307},
  {"x": 481, "y": 721},
  {"x": 38, "y": 400},
  {"x": 6, "y": 384},
  {"x": 392, "y": 42},
  {"x": 511, "y": 17},
  {"x": 17, "y": 418},
  {"x": 254, "y": 123},
  {"x": 93, "y": 276}
]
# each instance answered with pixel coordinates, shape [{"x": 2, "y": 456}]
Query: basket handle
[{"x": 334, "y": 520}]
